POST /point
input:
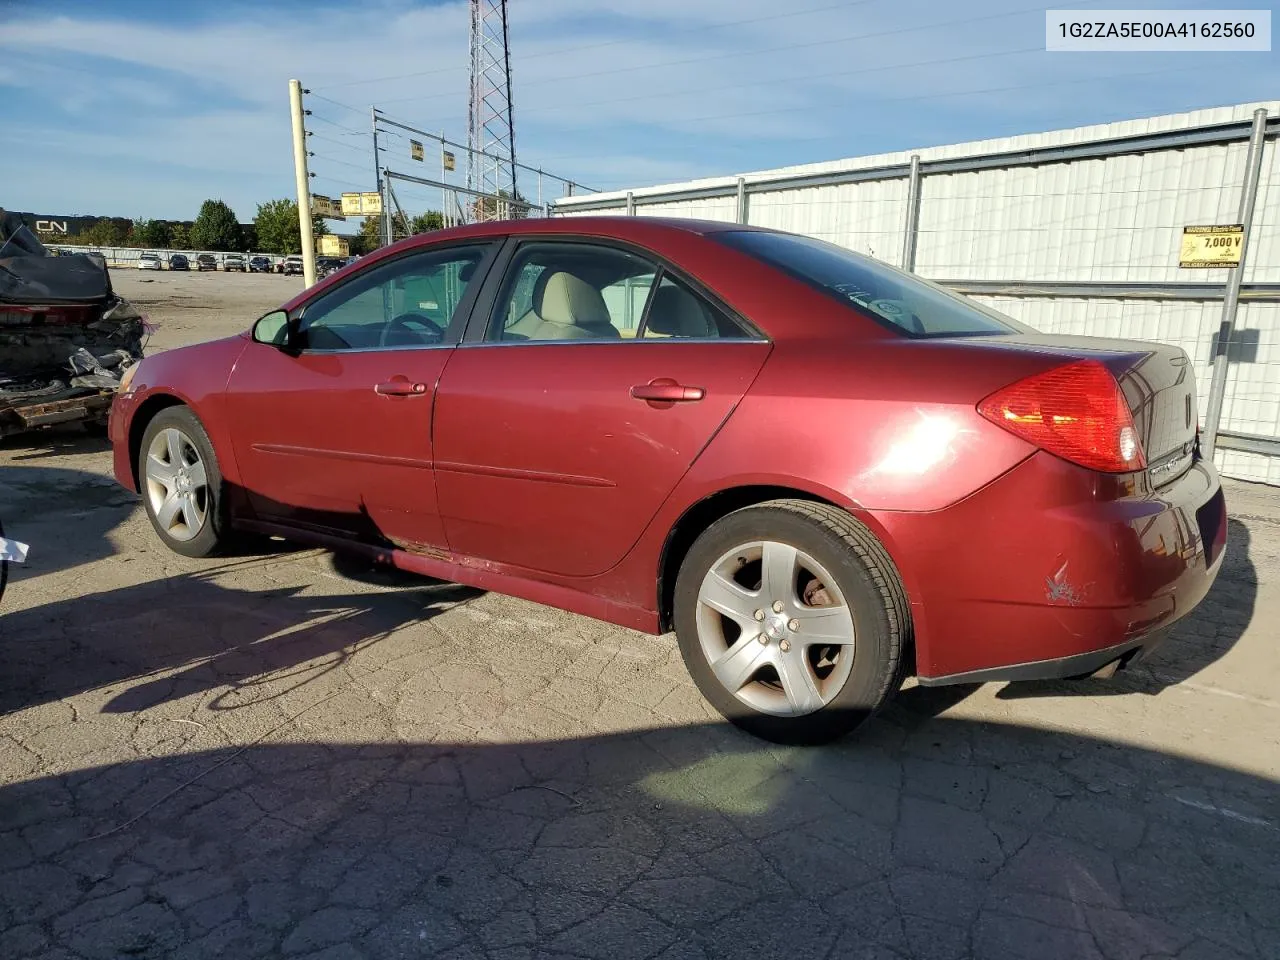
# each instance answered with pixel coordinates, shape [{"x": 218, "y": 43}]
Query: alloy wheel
[
  {"x": 177, "y": 484},
  {"x": 775, "y": 628}
]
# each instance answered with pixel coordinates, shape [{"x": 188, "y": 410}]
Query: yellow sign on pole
[
  {"x": 361, "y": 204},
  {"x": 415, "y": 149},
  {"x": 322, "y": 206},
  {"x": 1212, "y": 246},
  {"x": 449, "y": 161},
  {"x": 331, "y": 246}
]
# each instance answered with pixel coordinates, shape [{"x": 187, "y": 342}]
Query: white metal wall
[{"x": 1109, "y": 219}]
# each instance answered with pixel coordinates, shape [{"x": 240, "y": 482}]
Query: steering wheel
[{"x": 415, "y": 324}]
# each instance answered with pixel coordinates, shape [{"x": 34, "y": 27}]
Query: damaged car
[{"x": 66, "y": 338}]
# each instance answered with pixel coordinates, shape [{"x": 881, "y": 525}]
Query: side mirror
[{"x": 272, "y": 329}]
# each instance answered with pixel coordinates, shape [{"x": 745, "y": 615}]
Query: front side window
[
  {"x": 408, "y": 302},
  {"x": 901, "y": 301}
]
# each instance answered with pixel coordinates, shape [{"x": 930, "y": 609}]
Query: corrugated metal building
[{"x": 1071, "y": 231}]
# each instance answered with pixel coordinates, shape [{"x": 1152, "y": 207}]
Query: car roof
[{"x": 636, "y": 229}]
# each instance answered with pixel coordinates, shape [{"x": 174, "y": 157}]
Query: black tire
[
  {"x": 864, "y": 575},
  {"x": 215, "y": 534}
]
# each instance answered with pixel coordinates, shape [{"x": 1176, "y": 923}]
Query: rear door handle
[
  {"x": 665, "y": 390},
  {"x": 400, "y": 388}
]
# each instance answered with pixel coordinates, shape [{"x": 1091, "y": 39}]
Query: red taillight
[{"x": 1076, "y": 412}]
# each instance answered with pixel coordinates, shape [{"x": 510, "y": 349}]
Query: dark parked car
[
  {"x": 233, "y": 262},
  {"x": 178, "y": 261},
  {"x": 206, "y": 261},
  {"x": 821, "y": 472},
  {"x": 328, "y": 265},
  {"x": 259, "y": 264}
]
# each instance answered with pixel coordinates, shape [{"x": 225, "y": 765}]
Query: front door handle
[
  {"x": 400, "y": 388},
  {"x": 664, "y": 390}
]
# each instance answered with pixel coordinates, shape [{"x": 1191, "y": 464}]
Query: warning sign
[{"x": 1212, "y": 246}]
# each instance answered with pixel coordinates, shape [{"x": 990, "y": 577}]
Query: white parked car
[{"x": 150, "y": 261}]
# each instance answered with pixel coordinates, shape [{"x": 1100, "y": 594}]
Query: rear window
[{"x": 897, "y": 299}]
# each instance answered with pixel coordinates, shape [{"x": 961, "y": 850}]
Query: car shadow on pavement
[
  {"x": 149, "y": 643},
  {"x": 936, "y": 838},
  {"x": 65, "y": 515},
  {"x": 58, "y": 442},
  {"x": 1195, "y": 642}
]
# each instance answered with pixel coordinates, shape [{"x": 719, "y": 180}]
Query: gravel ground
[
  {"x": 292, "y": 756},
  {"x": 191, "y": 307}
]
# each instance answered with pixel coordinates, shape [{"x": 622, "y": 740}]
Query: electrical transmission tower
[{"x": 491, "y": 164}]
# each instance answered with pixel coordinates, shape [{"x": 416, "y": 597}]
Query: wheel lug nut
[
  {"x": 759, "y": 614},
  {"x": 793, "y": 625},
  {"x": 784, "y": 645},
  {"x": 764, "y": 639},
  {"x": 777, "y": 606}
]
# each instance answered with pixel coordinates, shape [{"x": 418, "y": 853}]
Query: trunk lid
[{"x": 1157, "y": 380}]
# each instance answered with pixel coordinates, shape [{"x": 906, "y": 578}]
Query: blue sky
[{"x": 146, "y": 108}]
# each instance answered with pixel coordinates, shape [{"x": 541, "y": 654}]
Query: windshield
[{"x": 899, "y": 300}]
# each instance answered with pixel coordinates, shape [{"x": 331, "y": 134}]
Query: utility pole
[
  {"x": 377, "y": 175},
  {"x": 304, "y": 184},
  {"x": 491, "y": 162},
  {"x": 1226, "y": 329}
]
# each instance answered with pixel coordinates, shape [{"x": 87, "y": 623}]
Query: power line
[
  {"x": 793, "y": 79},
  {"x": 742, "y": 53},
  {"x": 879, "y": 100},
  {"x": 328, "y": 159},
  {"x": 559, "y": 51}
]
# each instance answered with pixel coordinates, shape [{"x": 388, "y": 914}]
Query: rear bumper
[{"x": 1053, "y": 571}]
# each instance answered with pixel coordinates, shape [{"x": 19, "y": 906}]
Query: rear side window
[{"x": 897, "y": 299}]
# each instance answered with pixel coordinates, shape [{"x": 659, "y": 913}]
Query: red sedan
[{"x": 823, "y": 473}]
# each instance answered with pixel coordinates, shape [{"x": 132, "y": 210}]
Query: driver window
[{"x": 408, "y": 302}]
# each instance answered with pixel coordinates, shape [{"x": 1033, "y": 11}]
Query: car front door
[
  {"x": 332, "y": 431},
  {"x": 600, "y": 378}
]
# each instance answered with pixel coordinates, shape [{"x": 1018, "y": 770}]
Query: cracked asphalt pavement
[{"x": 292, "y": 755}]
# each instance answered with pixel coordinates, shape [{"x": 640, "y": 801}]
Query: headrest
[
  {"x": 677, "y": 313},
  {"x": 571, "y": 301}
]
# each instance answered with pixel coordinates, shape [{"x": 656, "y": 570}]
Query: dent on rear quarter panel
[{"x": 198, "y": 375}]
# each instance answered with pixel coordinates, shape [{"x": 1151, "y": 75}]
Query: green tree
[
  {"x": 179, "y": 237},
  {"x": 426, "y": 222},
  {"x": 370, "y": 236},
  {"x": 216, "y": 228},
  {"x": 150, "y": 233},
  {"x": 277, "y": 226},
  {"x": 104, "y": 233}
]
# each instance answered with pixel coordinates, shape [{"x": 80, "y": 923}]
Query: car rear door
[
  {"x": 561, "y": 430},
  {"x": 336, "y": 434}
]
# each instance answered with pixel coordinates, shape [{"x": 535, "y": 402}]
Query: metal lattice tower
[{"x": 491, "y": 160}]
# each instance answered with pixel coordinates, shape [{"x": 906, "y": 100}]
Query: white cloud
[{"x": 607, "y": 91}]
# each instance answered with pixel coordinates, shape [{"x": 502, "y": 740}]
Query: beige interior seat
[
  {"x": 571, "y": 309},
  {"x": 677, "y": 313}
]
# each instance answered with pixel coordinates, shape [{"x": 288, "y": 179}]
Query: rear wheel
[
  {"x": 181, "y": 485},
  {"x": 791, "y": 620}
]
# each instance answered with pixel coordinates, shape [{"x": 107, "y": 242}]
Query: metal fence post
[
  {"x": 631, "y": 204},
  {"x": 742, "y": 214},
  {"x": 911, "y": 226},
  {"x": 1226, "y": 330}
]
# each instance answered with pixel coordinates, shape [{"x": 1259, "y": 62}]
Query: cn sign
[{"x": 51, "y": 226}]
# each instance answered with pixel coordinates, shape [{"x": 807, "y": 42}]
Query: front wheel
[
  {"x": 181, "y": 484},
  {"x": 791, "y": 620}
]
